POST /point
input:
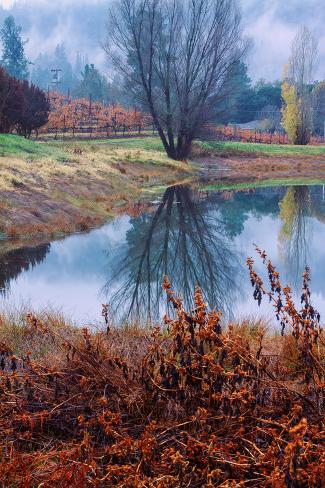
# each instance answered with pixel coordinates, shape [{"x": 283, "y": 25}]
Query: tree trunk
[{"x": 184, "y": 145}]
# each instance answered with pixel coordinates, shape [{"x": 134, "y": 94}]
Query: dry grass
[
  {"x": 78, "y": 185},
  {"x": 16, "y": 334},
  {"x": 190, "y": 405}
]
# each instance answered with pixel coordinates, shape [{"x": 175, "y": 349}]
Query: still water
[{"x": 194, "y": 236}]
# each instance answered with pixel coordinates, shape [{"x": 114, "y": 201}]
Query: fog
[
  {"x": 80, "y": 25},
  {"x": 272, "y": 24}
]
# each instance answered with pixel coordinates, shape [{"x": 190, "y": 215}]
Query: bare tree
[
  {"x": 301, "y": 71},
  {"x": 303, "y": 59},
  {"x": 14, "y": 262},
  {"x": 176, "y": 55},
  {"x": 185, "y": 239}
]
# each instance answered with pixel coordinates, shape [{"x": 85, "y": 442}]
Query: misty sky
[{"x": 80, "y": 24}]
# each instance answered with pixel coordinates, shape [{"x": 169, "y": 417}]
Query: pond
[{"x": 194, "y": 236}]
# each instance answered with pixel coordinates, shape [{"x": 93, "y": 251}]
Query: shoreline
[{"x": 76, "y": 186}]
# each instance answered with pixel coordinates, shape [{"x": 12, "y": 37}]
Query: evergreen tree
[
  {"x": 80, "y": 63},
  {"x": 117, "y": 93},
  {"x": 243, "y": 109},
  {"x": 92, "y": 84},
  {"x": 42, "y": 75},
  {"x": 238, "y": 97},
  {"x": 319, "y": 108},
  {"x": 13, "y": 56},
  {"x": 267, "y": 93},
  {"x": 61, "y": 61}
]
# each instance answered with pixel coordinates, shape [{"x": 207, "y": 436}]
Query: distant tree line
[
  {"x": 78, "y": 79},
  {"x": 23, "y": 106},
  {"x": 247, "y": 101},
  {"x": 181, "y": 62}
]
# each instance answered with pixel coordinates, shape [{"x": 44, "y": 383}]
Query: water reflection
[
  {"x": 13, "y": 263},
  {"x": 187, "y": 239},
  {"x": 195, "y": 237},
  {"x": 296, "y": 231}
]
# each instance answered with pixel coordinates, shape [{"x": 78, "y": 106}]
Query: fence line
[{"x": 257, "y": 136}]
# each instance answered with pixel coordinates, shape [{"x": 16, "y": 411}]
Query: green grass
[
  {"x": 265, "y": 184},
  {"x": 12, "y": 145},
  {"x": 151, "y": 149},
  {"x": 148, "y": 150},
  {"x": 144, "y": 144},
  {"x": 154, "y": 144},
  {"x": 266, "y": 149},
  {"x": 129, "y": 143}
]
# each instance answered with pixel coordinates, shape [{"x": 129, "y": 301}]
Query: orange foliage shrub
[
  {"x": 193, "y": 405},
  {"x": 69, "y": 115}
]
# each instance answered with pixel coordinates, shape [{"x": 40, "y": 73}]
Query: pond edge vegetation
[{"x": 191, "y": 404}]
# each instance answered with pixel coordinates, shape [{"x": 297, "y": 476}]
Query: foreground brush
[{"x": 191, "y": 405}]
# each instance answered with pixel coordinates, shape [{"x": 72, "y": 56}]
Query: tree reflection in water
[
  {"x": 14, "y": 262},
  {"x": 185, "y": 239},
  {"x": 295, "y": 232}
]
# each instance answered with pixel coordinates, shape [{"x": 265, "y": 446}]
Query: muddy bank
[
  {"x": 77, "y": 202},
  {"x": 256, "y": 168}
]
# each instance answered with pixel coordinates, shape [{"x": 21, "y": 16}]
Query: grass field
[
  {"x": 11, "y": 145},
  {"x": 136, "y": 143},
  {"x": 150, "y": 148},
  {"x": 265, "y": 149}
]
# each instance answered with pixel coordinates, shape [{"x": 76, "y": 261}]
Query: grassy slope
[
  {"x": 11, "y": 145},
  {"x": 60, "y": 186},
  {"x": 265, "y": 149},
  {"x": 15, "y": 146},
  {"x": 56, "y": 186}
]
